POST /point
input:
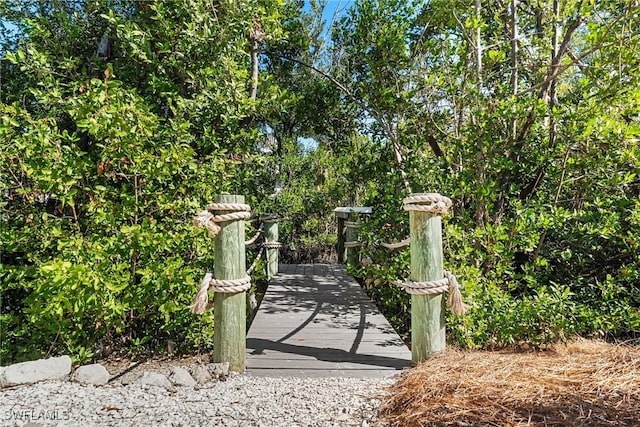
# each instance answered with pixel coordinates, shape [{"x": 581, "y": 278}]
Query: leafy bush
[
  {"x": 107, "y": 156},
  {"x": 515, "y": 298},
  {"x": 541, "y": 166},
  {"x": 92, "y": 241}
]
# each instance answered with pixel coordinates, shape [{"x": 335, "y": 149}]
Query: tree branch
[{"x": 574, "y": 60}]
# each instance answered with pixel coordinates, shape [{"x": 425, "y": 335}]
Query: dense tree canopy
[
  {"x": 527, "y": 114},
  {"x": 121, "y": 119}
]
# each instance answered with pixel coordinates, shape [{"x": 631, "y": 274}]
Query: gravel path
[{"x": 239, "y": 401}]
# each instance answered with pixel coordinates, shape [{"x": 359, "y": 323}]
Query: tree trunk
[{"x": 256, "y": 37}]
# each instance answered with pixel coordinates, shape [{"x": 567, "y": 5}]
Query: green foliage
[
  {"x": 106, "y": 159},
  {"x": 92, "y": 237},
  {"x": 542, "y": 168},
  {"x": 311, "y": 189},
  {"x": 106, "y": 156}
]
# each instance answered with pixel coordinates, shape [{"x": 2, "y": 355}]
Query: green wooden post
[
  {"x": 348, "y": 234},
  {"x": 351, "y": 236},
  {"x": 230, "y": 322},
  {"x": 271, "y": 244},
  {"x": 427, "y": 311}
]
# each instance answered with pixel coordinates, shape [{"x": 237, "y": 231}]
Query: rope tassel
[
  {"x": 455, "y": 303},
  {"x": 201, "y": 301}
]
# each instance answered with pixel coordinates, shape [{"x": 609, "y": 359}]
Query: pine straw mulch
[{"x": 583, "y": 383}]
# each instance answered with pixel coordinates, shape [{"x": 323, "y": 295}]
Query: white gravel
[{"x": 239, "y": 401}]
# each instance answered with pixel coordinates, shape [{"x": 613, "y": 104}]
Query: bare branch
[{"x": 557, "y": 69}]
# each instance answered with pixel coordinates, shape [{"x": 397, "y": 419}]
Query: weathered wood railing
[
  {"x": 271, "y": 244},
  {"x": 348, "y": 247}
]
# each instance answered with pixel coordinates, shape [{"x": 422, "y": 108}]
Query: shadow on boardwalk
[{"x": 315, "y": 320}]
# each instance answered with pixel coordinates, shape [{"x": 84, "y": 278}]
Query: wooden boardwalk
[{"x": 315, "y": 321}]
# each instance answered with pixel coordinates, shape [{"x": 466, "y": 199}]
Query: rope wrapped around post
[
  {"x": 356, "y": 226},
  {"x": 435, "y": 204},
  {"x": 352, "y": 243},
  {"x": 271, "y": 244},
  {"x": 436, "y": 287},
  {"x": 351, "y": 224},
  {"x": 438, "y": 205},
  {"x": 432, "y": 202},
  {"x": 201, "y": 301},
  {"x": 210, "y": 220}
]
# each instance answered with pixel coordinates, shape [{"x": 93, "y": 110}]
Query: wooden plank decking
[{"x": 315, "y": 321}]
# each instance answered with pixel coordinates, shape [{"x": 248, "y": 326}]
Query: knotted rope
[
  {"x": 201, "y": 301},
  {"x": 208, "y": 219},
  {"x": 230, "y": 286},
  {"x": 437, "y": 287}
]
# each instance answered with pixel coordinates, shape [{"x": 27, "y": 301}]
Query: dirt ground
[{"x": 126, "y": 370}]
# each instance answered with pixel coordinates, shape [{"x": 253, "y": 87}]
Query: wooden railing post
[
  {"x": 230, "y": 322},
  {"x": 348, "y": 232},
  {"x": 271, "y": 244},
  {"x": 427, "y": 311}
]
